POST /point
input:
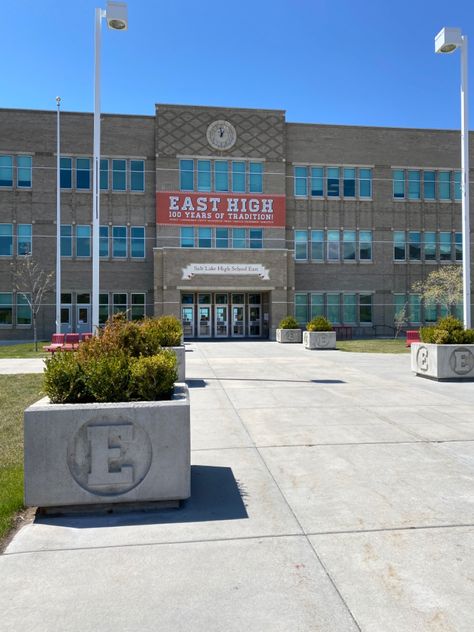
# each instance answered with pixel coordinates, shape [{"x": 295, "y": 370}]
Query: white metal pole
[
  {"x": 466, "y": 234},
  {"x": 99, "y": 13},
  {"x": 58, "y": 220}
]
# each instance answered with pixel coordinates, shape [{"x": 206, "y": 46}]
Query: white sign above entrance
[{"x": 226, "y": 268}]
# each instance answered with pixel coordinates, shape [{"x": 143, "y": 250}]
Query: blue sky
[{"x": 353, "y": 62}]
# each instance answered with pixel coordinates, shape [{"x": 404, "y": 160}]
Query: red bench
[
  {"x": 57, "y": 341},
  {"x": 66, "y": 342},
  {"x": 413, "y": 335}
]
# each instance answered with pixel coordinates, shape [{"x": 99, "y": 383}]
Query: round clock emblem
[{"x": 221, "y": 135}]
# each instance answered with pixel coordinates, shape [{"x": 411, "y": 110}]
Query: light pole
[
  {"x": 447, "y": 40},
  {"x": 117, "y": 19},
  {"x": 58, "y": 221}
]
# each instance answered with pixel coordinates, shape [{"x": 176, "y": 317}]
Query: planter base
[
  {"x": 288, "y": 335},
  {"x": 107, "y": 508},
  {"x": 443, "y": 363},
  {"x": 319, "y": 340}
]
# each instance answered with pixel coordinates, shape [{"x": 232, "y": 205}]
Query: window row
[
  {"x": 116, "y": 174},
  {"x": 24, "y": 239},
  {"x": 417, "y": 311},
  {"x": 333, "y": 245},
  {"x": 346, "y": 182},
  {"x": 339, "y": 308},
  {"x": 415, "y": 184},
  {"x": 414, "y": 245},
  {"x": 16, "y": 171},
  {"x": 204, "y": 237},
  {"x": 236, "y": 176},
  {"x": 118, "y": 242},
  {"x": 110, "y": 303},
  {"x": 15, "y": 308}
]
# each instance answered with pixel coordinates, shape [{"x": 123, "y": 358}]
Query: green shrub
[
  {"x": 107, "y": 377},
  {"x": 427, "y": 334},
  {"x": 165, "y": 331},
  {"x": 64, "y": 380},
  {"x": 319, "y": 323},
  {"x": 153, "y": 377},
  {"x": 289, "y": 323},
  {"x": 448, "y": 330},
  {"x": 119, "y": 334}
]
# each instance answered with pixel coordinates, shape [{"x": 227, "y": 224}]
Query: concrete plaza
[{"x": 331, "y": 491}]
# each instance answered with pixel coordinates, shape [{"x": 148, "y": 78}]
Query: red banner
[{"x": 220, "y": 209}]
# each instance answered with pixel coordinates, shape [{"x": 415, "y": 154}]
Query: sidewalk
[
  {"x": 10, "y": 366},
  {"x": 332, "y": 492}
]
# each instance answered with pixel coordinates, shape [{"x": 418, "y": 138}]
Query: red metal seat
[
  {"x": 71, "y": 342},
  {"x": 413, "y": 335},
  {"x": 57, "y": 341},
  {"x": 86, "y": 336}
]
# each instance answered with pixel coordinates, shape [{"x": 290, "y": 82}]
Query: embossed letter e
[{"x": 101, "y": 454}]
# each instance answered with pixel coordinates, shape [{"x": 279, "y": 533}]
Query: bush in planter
[
  {"x": 448, "y": 330},
  {"x": 153, "y": 377},
  {"x": 165, "y": 331},
  {"x": 289, "y": 323},
  {"x": 319, "y": 323}
]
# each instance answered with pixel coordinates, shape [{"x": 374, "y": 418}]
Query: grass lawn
[
  {"x": 16, "y": 393},
  {"x": 375, "y": 345},
  {"x": 24, "y": 350}
]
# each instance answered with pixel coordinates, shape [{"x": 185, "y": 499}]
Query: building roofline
[
  {"x": 376, "y": 127},
  {"x": 28, "y": 110},
  {"x": 217, "y": 107}
]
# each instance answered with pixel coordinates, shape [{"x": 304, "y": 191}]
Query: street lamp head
[
  {"x": 447, "y": 40},
  {"x": 117, "y": 16}
]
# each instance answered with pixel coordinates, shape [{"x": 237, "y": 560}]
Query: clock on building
[{"x": 221, "y": 135}]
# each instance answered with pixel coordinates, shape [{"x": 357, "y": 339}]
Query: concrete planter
[
  {"x": 181, "y": 358},
  {"x": 288, "y": 335},
  {"x": 95, "y": 454},
  {"x": 319, "y": 339},
  {"x": 443, "y": 362}
]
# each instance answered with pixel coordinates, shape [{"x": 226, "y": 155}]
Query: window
[
  {"x": 6, "y": 171},
  {"x": 333, "y": 245},
  {"x": 332, "y": 181},
  {"x": 349, "y": 308},
  {"x": 399, "y": 246},
  {"x": 119, "y": 242},
  {"x": 365, "y": 308},
  {"x": 399, "y": 305},
  {"x": 349, "y": 188},
  {"x": 333, "y": 308},
  {"x": 398, "y": 183},
  {"x": 445, "y": 246},
  {"x": 349, "y": 245},
  {"x": 317, "y": 305},
  {"x": 83, "y": 241},
  {"x": 24, "y": 168},
  {"x": 6, "y": 308},
  {"x": 430, "y": 246},
  {"x": 187, "y": 237},
  {"x": 317, "y": 245},
  {"x": 186, "y": 175},
  {"x": 414, "y": 308},
  {"x": 119, "y": 175},
  {"x": 238, "y": 177},
  {"x": 24, "y": 242},
  {"x": 443, "y": 185},
  {"x": 204, "y": 237},
  {"x": 365, "y": 183},
  {"x": 137, "y": 175},
  {"x": 414, "y": 245},
  {"x": 301, "y": 245},
  {"x": 365, "y": 245},
  {"x": 103, "y": 308},
  {"x": 256, "y": 238},
  {"x": 66, "y": 240},
  {"x": 104, "y": 241},
  {"x": 119, "y": 303},
  {"x": 301, "y": 308},
  {"x": 430, "y": 312},
  {"x": 256, "y": 177},
  {"x": 317, "y": 181},
  {"x": 137, "y": 238},
  {"x": 23, "y": 309},
  {"x": 138, "y": 306},
  {"x": 414, "y": 187},
  {"x": 429, "y": 185},
  {"x": 301, "y": 183},
  {"x": 204, "y": 175},
  {"x": 6, "y": 240},
  {"x": 83, "y": 173},
  {"x": 65, "y": 173},
  {"x": 238, "y": 238},
  {"x": 457, "y": 185},
  {"x": 458, "y": 246},
  {"x": 221, "y": 173},
  {"x": 222, "y": 237},
  {"x": 104, "y": 174}
]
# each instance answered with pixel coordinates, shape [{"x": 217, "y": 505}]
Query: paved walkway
[
  {"x": 21, "y": 365},
  {"x": 331, "y": 492}
]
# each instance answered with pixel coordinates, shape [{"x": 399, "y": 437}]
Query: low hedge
[
  {"x": 289, "y": 323},
  {"x": 448, "y": 330},
  {"x": 319, "y": 323}
]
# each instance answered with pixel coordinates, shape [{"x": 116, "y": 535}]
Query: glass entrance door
[
  {"x": 254, "y": 321},
  {"x": 204, "y": 322},
  {"x": 238, "y": 321},
  {"x": 221, "y": 324},
  {"x": 187, "y": 319}
]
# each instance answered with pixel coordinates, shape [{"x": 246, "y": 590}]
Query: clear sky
[{"x": 354, "y": 62}]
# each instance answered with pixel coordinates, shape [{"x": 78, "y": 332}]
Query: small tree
[
  {"x": 31, "y": 281},
  {"x": 401, "y": 319},
  {"x": 442, "y": 287}
]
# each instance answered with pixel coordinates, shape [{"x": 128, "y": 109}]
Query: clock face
[{"x": 221, "y": 135}]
